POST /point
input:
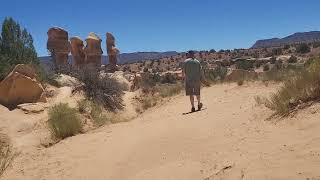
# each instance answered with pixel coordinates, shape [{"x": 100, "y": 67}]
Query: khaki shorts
[{"x": 192, "y": 88}]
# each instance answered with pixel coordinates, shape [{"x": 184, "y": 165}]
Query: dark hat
[{"x": 191, "y": 52}]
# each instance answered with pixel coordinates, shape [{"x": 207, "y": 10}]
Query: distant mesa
[{"x": 302, "y": 37}]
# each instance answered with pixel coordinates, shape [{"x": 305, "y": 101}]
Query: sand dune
[{"x": 228, "y": 140}]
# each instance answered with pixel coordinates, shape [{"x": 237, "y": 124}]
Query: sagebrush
[
  {"x": 101, "y": 88},
  {"x": 302, "y": 87}
]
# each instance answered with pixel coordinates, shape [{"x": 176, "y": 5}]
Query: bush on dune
[
  {"x": 301, "y": 88},
  {"x": 101, "y": 89},
  {"x": 64, "y": 121}
]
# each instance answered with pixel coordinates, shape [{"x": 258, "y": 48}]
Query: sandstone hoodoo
[
  {"x": 93, "y": 51},
  {"x": 59, "y": 46},
  {"x": 78, "y": 56},
  {"x": 21, "y": 86},
  {"x": 112, "y": 52}
]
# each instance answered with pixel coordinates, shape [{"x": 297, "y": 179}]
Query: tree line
[{"x": 16, "y": 47}]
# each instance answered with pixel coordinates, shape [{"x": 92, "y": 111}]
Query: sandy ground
[{"x": 230, "y": 139}]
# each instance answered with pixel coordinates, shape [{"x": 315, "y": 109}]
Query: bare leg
[
  {"x": 192, "y": 100},
  {"x": 199, "y": 99}
]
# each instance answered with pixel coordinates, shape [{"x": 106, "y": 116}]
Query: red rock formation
[
  {"x": 78, "y": 56},
  {"x": 112, "y": 51},
  {"x": 93, "y": 50},
  {"x": 21, "y": 86},
  {"x": 58, "y": 45}
]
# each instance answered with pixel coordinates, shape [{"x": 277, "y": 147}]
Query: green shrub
[
  {"x": 316, "y": 44},
  {"x": 276, "y": 51},
  {"x": 273, "y": 60},
  {"x": 64, "y": 121},
  {"x": 293, "y": 59},
  {"x": 303, "y": 48},
  {"x": 266, "y": 67},
  {"x": 16, "y": 47},
  {"x": 218, "y": 73},
  {"x": 84, "y": 106},
  {"x": 304, "y": 86},
  {"x": 97, "y": 115},
  {"x": 286, "y": 47},
  {"x": 244, "y": 64},
  {"x": 94, "y": 110}
]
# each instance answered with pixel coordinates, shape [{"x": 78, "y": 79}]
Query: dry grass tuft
[
  {"x": 6, "y": 153},
  {"x": 301, "y": 88},
  {"x": 240, "y": 82},
  {"x": 64, "y": 121}
]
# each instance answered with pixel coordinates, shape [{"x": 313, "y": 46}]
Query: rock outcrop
[
  {"x": 78, "y": 56},
  {"x": 93, "y": 50},
  {"x": 21, "y": 86},
  {"x": 59, "y": 46},
  {"x": 112, "y": 52}
]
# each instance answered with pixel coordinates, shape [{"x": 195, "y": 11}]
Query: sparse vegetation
[
  {"x": 293, "y": 59},
  {"x": 276, "y": 51},
  {"x": 303, "y": 48},
  {"x": 266, "y": 67},
  {"x": 101, "y": 89},
  {"x": 151, "y": 97},
  {"x": 6, "y": 153},
  {"x": 218, "y": 73},
  {"x": 244, "y": 64},
  {"x": 301, "y": 88},
  {"x": 169, "y": 90},
  {"x": 97, "y": 115},
  {"x": 240, "y": 82},
  {"x": 64, "y": 121}
]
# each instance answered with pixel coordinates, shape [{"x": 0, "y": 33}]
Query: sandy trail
[{"x": 228, "y": 140}]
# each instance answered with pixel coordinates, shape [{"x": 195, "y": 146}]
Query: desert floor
[{"x": 230, "y": 139}]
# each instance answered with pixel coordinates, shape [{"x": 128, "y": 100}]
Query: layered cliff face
[
  {"x": 59, "y": 46},
  {"x": 93, "y": 51},
  {"x": 304, "y": 37}
]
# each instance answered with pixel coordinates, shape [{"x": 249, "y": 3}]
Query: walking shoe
[
  {"x": 200, "y": 106},
  {"x": 193, "y": 109}
]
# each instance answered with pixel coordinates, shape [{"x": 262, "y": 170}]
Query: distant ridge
[
  {"x": 300, "y": 37},
  {"x": 125, "y": 57}
]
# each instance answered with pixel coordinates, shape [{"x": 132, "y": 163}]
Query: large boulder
[
  {"x": 66, "y": 80},
  {"x": 119, "y": 76},
  {"x": 21, "y": 86}
]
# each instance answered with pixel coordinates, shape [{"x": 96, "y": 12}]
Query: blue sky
[{"x": 149, "y": 25}]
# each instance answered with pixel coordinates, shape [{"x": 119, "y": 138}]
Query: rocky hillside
[{"x": 302, "y": 37}]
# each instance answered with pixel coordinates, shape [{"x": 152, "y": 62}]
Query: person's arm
[
  {"x": 183, "y": 71},
  {"x": 203, "y": 78}
]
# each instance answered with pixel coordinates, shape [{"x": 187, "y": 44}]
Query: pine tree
[{"x": 16, "y": 47}]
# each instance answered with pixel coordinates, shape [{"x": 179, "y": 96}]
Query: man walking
[{"x": 192, "y": 75}]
